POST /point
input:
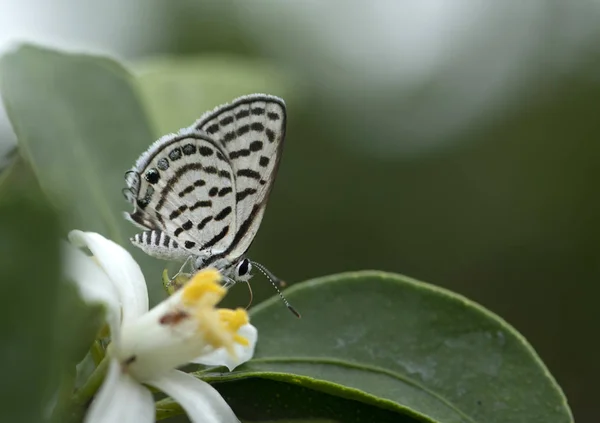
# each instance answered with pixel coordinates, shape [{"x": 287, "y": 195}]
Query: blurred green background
[{"x": 454, "y": 142}]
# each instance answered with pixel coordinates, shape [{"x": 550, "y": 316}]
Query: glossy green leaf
[
  {"x": 262, "y": 400},
  {"x": 403, "y": 345},
  {"x": 178, "y": 91},
  {"x": 80, "y": 125}
]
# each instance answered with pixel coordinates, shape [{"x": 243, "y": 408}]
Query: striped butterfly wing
[
  {"x": 251, "y": 131},
  {"x": 183, "y": 186}
]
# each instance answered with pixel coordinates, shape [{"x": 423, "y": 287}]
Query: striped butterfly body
[{"x": 201, "y": 194}]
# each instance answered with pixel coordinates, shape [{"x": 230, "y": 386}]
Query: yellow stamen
[
  {"x": 202, "y": 283},
  {"x": 234, "y": 319},
  {"x": 241, "y": 340},
  {"x": 213, "y": 330},
  {"x": 218, "y": 327}
]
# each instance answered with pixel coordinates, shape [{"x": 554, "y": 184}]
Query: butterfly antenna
[
  {"x": 276, "y": 282},
  {"x": 251, "y": 295}
]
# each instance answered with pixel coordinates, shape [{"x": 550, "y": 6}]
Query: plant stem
[
  {"x": 97, "y": 352},
  {"x": 89, "y": 388},
  {"x": 166, "y": 408}
]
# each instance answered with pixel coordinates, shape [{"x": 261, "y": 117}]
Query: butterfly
[{"x": 201, "y": 194}]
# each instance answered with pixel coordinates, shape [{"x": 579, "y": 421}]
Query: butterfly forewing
[
  {"x": 184, "y": 186},
  {"x": 251, "y": 131}
]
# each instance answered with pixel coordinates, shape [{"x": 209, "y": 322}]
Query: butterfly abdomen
[{"x": 158, "y": 244}]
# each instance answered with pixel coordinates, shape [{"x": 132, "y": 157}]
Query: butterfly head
[{"x": 243, "y": 270}]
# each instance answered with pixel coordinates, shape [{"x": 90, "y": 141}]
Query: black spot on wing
[
  {"x": 229, "y": 136},
  {"x": 152, "y": 175},
  {"x": 244, "y": 129},
  {"x": 221, "y": 157},
  {"x": 248, "y": 173},
  {"x": 204, "y": 222},
  {"x": 175, "y": 213},
  {"x": 163, "y": 164},
  {"x": 190, "y": 188},
  {"x": 166, "y": 240},
  {"x": 256, "y": 146},
  {"x": 212, "y": 129},
  {"x": 226, "y": 121},
  {"x": 175, "y": 154},
  {"x": 245, "y": 193},
  {"x": 225, "y": 191},
  {"x": 201, "y": 203},
  {"x": 206, "y": 151},
  {"x": 270, "y": 135},
  {"x": 244, "y": 152},
  {"x": 189, "y": 149},
  {"x": 216, "y": 238},
  {"x": 223, "y": 213},
  {"x": 159, "y": 218},
  {"x": 242, "y": 114}
]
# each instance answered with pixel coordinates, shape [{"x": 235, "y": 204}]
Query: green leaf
[
  {"x": 178, "y": 91},
  {"x": 44, "y": 334},
  {"x": 80, "y": 125},
  {"x": 18, "y": 176},
  {"x": 258, "y": 400},
  {"x": 403, "y": 345}
]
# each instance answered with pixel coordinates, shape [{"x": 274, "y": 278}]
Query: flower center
[{"x": 218, "y": 327}]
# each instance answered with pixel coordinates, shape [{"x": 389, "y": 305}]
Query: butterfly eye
[{"x": 244, "y": 267}]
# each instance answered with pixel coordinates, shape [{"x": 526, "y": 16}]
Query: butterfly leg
[
  {"x": 228, "y": 282},
  {"x": 172, "y": 284}
]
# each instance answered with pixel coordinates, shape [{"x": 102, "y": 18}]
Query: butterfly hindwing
[
  {"x": 184, "y": 186},
  {"x": 251, "y": 131}
]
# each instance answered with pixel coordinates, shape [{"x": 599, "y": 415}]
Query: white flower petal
[
  {"x": 202, "y": 402},
  {"x": 94, "y": 285},
  {"x": 121, "y": 399},
  {"x": 221, "y": 357},
  {"x": 160, "y": 347},
  {"x": 121, "y": 268}
]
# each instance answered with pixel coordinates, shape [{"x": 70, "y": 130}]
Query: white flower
[{"x": 147, "y": 345}]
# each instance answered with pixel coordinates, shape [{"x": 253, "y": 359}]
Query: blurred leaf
[
  {"x": 40, "y": 342},
  {"x": 178, "y": 91},
  {"x": 79, "y": 123},
  {"x": 390, "y": 341},
  {"x": 18, "y": 176},
  {"x": 78, "y": 324}
]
